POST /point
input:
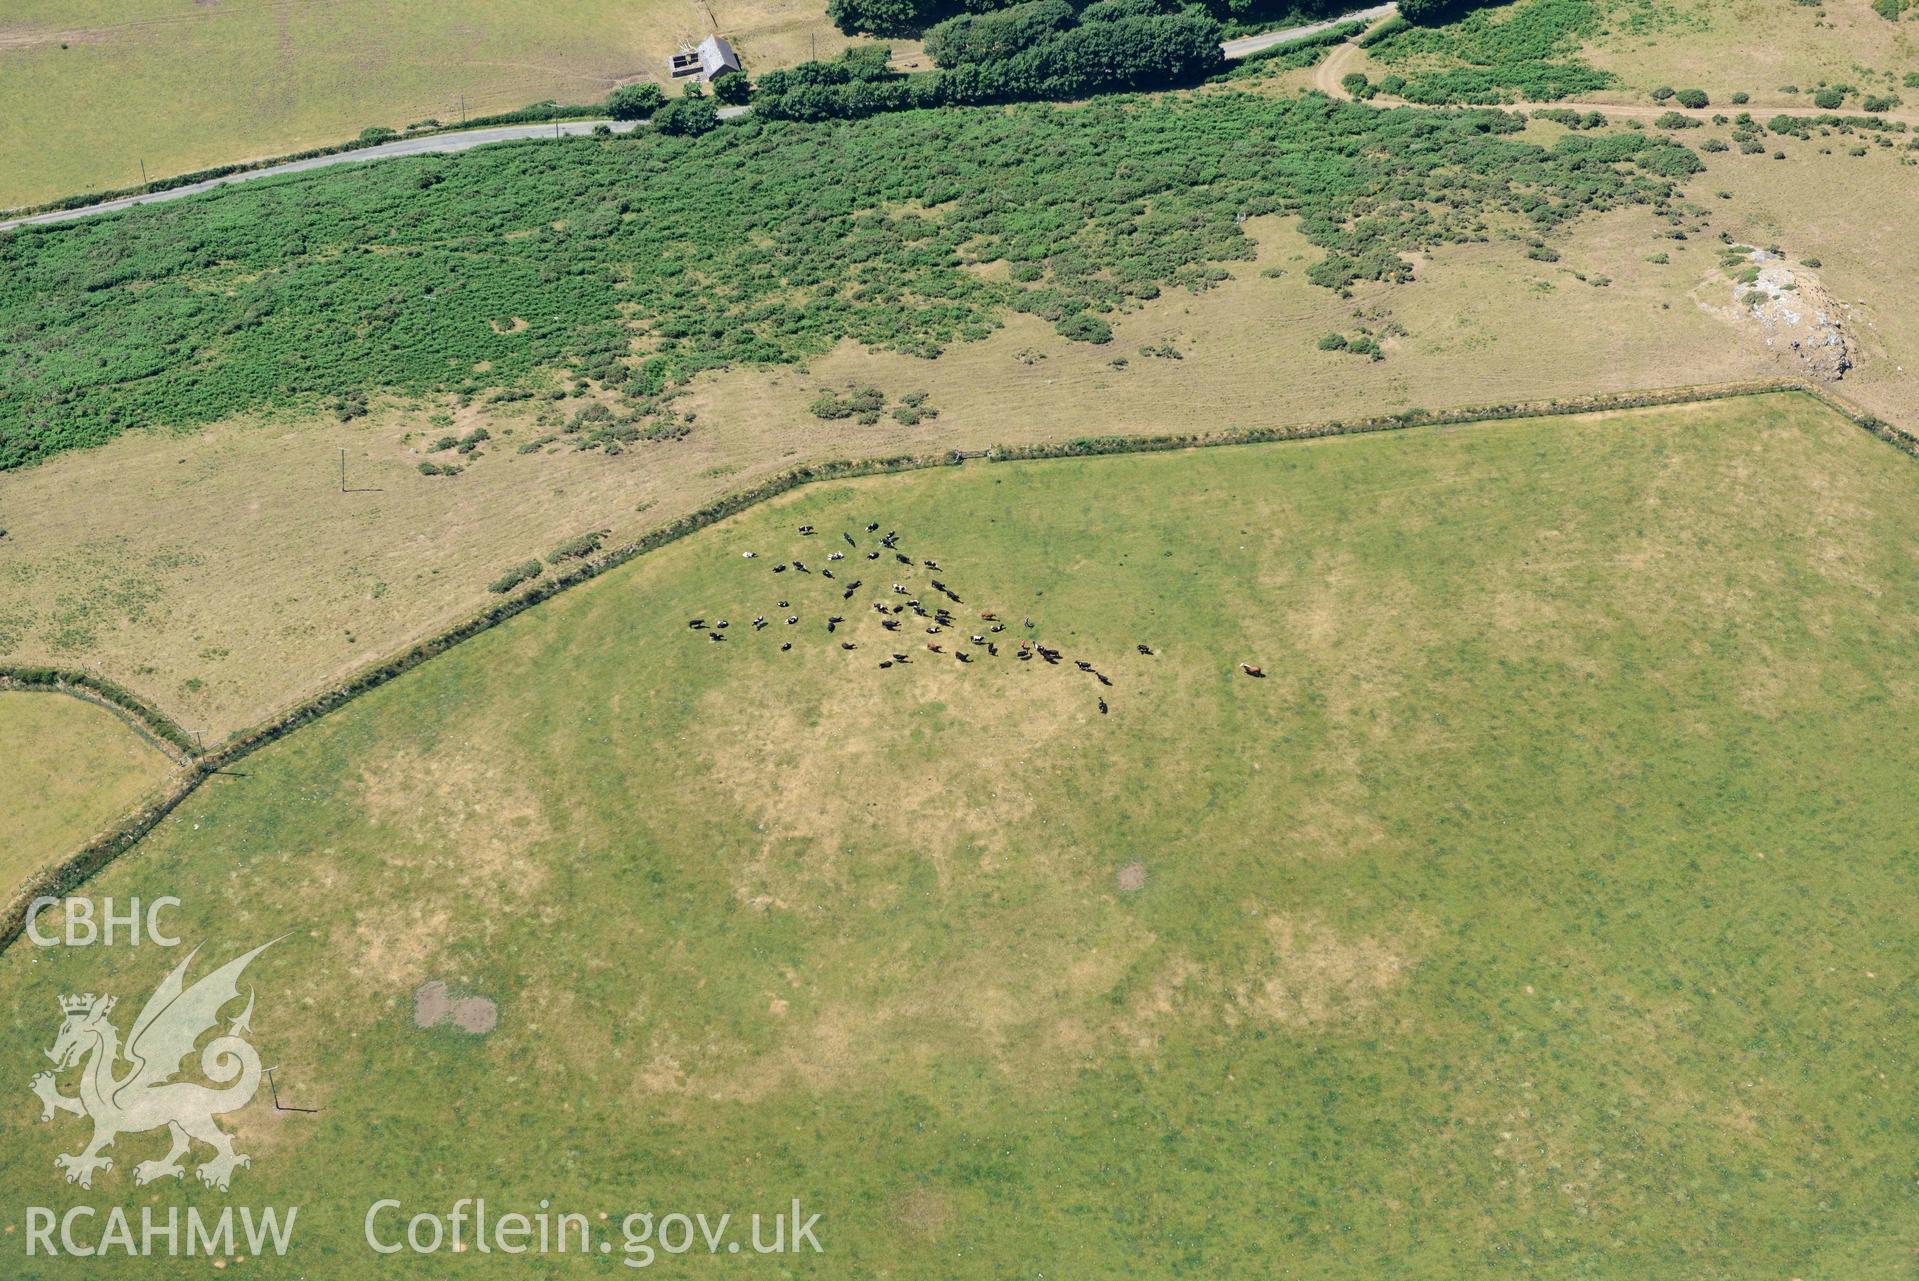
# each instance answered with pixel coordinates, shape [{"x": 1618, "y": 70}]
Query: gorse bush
[
  {"x": 855, "y": 402},
  {"x": 522, "y": 573},
  {"x": 579, "y": 547},
  {"x": 1085, "y": 328},
  {"x": 757, "y": 242},
  {"x": 1571, "y": 119},
  {"x": 1503, "y": 54}
]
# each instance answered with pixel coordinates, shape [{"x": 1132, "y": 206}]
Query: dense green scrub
[
  {"x": 911, "y": 17},
  {"x": 757, "y": 242},
  {"x": 1039, "y": 51},
  {"x": 1545, "y": 913},
  {"x": 1505, "y": 54}
]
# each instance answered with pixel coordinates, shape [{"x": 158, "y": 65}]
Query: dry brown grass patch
[
  {"x": 1318, "y": 976},
  {"x": 467, "y": 819},
  {"x": 923, "y": 1212},
  {"x": 814, "y": 794}
]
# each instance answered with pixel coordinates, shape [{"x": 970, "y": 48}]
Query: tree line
[{"x": 1041, "y": 49}]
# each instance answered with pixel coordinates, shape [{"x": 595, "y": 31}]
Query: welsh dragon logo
[{"x": 144, "y": 1096}]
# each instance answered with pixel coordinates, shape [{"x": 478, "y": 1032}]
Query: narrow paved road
[
  {"x": 1236, "y": 49},
  {"x": 463, "y": 140},
  {"x": 430, "y": 144}
]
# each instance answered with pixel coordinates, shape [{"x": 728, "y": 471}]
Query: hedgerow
[
  {"x": 756, "y": 242},
  {"x": 149, "y": 718}
]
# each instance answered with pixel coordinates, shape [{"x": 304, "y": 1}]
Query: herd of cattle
[{"x": 903, "y": 609}]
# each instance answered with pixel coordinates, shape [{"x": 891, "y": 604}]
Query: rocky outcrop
[{"x": 1794, "y": 314}]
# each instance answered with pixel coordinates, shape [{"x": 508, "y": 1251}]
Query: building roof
[{"x": 716, "y": 55}]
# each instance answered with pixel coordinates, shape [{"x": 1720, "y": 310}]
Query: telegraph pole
[{"x": 143, "y": 172}]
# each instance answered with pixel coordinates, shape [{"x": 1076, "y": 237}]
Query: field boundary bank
[
  {"x": 1098, "y": 446},
  {"x": 160, "y": 730},
  {"x": 68, "y": 874},
  {"x": 62, "y": 877}
]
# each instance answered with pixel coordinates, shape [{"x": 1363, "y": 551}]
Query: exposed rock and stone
[{"x": 1795, "y": 315}]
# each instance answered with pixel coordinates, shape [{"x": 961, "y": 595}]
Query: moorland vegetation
[{"x": 632, "y": 263}]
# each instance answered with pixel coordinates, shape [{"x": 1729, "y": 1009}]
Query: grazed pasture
[
  {"x": 72, "y": 768},
  {"x": 1545, "y": 903}
]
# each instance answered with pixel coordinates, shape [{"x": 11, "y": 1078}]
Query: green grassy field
[
  {"x": 72, "y": 769},
  {"x": 1543, "y": 912}
]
